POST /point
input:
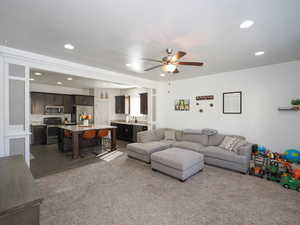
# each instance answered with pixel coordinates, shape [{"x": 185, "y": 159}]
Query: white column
[{"x": 2, "y": 90}]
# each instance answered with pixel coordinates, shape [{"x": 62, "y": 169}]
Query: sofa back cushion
[
  {"x": 198, "y": 138},
  {"x": 215, "y": 140},
  {"x": 159, "y": 134},
  {"x": 170, "y": 135}
]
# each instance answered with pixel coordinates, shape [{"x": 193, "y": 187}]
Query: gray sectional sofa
[{"x": 153, "y": 141}]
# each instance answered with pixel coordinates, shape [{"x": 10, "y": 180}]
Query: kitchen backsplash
[{"x": 38, "y": 119}]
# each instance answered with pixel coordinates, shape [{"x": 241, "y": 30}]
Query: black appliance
[{"x": 52, "y": 130}]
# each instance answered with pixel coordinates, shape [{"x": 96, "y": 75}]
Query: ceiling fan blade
[
  {"x": 153, "y": 67},
  {"x": 190, "y": 63},
  {"x": 176, "y": 70},
  {"x": 178, "y": 55},
  {"x": 152, "y": 60}
]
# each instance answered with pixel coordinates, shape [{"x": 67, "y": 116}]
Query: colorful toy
[
  {"x": 273, "y": 170},
  {"x": 257, "y": 167},
  {"x": 290, "y": 182},
  {"x": 296, "y": 174},
  {"x": 292, "y": 155},
  {"x": 261, "y": 149}
]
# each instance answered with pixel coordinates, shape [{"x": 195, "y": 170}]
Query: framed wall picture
[
  {"x": 182, "y": 105},
  {"x": 232, "y": 102}
]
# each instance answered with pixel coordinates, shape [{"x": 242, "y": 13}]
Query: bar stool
[
  {"x": 88, "y": 136},
  {"x": 104, "y": 137}
]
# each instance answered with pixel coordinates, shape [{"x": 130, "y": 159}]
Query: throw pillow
[
  {"x": 170, "y": 135},
  {"x": 239, "y": 144},
  {"x": 228, "y": 143}
]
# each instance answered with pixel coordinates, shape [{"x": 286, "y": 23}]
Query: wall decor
[
  {"x": 182, "y": 105},
  {"x": 206, "y": 97},
  {"x": 232, "y": 102}
]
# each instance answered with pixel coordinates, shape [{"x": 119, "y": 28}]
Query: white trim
[
  {"x": 17, "y": 135},
  {"x": 27, "y": 100},
  {"x": 16, "y": 78},
  {"x": 9, "y": 131},
  {"x": 2, "y": 104},
  {"x": 6, "y": 103},
  {"x": 62, "y": 66}
]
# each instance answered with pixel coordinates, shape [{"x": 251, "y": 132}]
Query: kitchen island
[{"x": 77, "y": 130}]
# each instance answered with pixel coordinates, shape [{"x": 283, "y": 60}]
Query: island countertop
[
  {"x": 130, "y": 123},
  {"x": 80, "y": 128}
]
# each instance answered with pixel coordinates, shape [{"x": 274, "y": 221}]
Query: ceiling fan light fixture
[{"x": 170, "y": 68}]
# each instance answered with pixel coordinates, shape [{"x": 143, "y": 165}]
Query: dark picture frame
[{"x": 232, "y": 102}]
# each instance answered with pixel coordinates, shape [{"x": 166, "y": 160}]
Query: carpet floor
[{"x": 122, "y": 191}]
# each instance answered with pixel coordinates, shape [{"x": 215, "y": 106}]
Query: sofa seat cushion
[
  {"x": 148, "y": 147},
  {"x": 188, "y": 145},
  {"x": 177, "y": 158},
  {"x": 168, "y": 142},
  {"x": 222, "y": 154}
]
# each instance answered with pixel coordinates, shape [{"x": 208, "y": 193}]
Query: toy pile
[{"x": 277, "y": 167}]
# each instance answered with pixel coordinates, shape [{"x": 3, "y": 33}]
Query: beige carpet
[{"x": 124, "y": 191}]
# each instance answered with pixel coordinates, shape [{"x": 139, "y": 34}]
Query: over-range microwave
[{"x": 54, "y": 110}]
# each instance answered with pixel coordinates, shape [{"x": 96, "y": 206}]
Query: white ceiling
[
  {"x": 109, "y": 34},
  {"x": 51, "y": 78}
]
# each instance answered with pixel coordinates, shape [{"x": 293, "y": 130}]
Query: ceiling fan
[{"x": 170, "y": 62}]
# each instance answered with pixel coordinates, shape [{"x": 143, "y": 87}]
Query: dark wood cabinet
[
  {"x": 38, "y": 136},
  {"x": 68, "y": 103},
  {"x": 54, "y": 99},
  {"x": 120, "y": 104},
  {"x": 40, "y": 100},
  {"x": 38, "y": 103},
  {"x": 128, "y": 132},
  {"x": 84, "y": 100},
  {"x": 144, "y": 103}
]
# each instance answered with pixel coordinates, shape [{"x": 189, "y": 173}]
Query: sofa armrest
[
  {"x": 145, "y": 136},
  {"x": 246, "y": 150}
]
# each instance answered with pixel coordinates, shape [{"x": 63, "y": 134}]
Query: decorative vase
[{"x": 85, "y": 122}]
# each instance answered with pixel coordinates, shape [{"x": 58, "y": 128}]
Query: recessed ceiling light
[
  {"x": 69, "y": 46},
  {"x": 259, "y": 53},
  {"x": 59, "y": 83},
  {"x": 246, "y": 24},
  {"x": 38, "y": 74},
  {"x": 31, "y": 79},
  {"x": 162, "y": 75},
  {"x": 69, "y": 78},
  {"x": 128, "y": 64}
]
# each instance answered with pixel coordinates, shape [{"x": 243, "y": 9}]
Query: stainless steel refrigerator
[{"x": 82, "y": 109}]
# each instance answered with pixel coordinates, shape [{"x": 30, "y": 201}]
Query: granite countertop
[
  {"x": 79, "y": 128},
  {"x": 130, "y": 123}
]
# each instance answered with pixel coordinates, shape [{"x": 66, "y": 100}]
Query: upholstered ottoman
[
  {"x": 142, "y": 151},
  {"x": 177, "y": 162}
]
